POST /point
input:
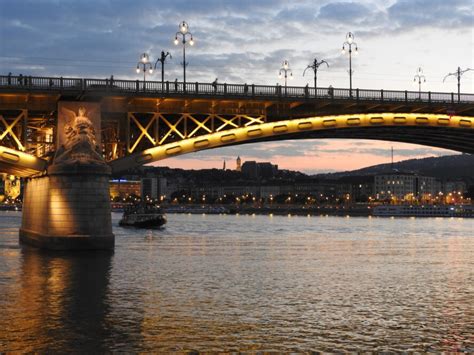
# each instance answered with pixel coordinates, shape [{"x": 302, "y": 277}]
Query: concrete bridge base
[{"x": 68, "y": 209}]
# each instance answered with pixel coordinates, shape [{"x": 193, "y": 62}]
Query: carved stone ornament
[{"x": 80, "y": 146}]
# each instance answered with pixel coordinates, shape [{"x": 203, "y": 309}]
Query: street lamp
[
  {"x": 418, "y": 76},
  {"x": 162, "y": 60},
  {"x": 458, "y": 73},
  {"x": 349, "y": 43},
  {"x": 285, "y": 69},
  {"x": 145, "y": 65},
  {"x": 315, "y": 67},
  {"x": 183, "y": 32}
]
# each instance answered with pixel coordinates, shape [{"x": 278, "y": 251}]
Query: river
[{"x": 213, "y": 283}]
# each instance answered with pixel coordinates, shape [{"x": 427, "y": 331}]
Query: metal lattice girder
[
  {"x": 8, "y": 135},
  {"x": 19, "y": 163},
  {"x": 172, "y": 127},
  {"x": 144, "y": 131},
  {"x": 278, "y": 130}
]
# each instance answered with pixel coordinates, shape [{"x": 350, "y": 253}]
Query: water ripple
[{"x": 246, "y": 283}]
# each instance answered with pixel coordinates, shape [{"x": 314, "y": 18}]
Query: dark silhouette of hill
[{"x": 450, "y": 167}]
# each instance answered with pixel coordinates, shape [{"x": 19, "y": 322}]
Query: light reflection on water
[{"x": 249, "y": 283}]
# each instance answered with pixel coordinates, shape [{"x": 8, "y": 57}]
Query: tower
[{"x": 238, "y": 166}]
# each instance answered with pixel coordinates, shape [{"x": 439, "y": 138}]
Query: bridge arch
[{"x": 436, "y": 130}]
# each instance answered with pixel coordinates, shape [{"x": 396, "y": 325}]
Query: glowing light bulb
[
  {"x": 176, "y": 42},
  {"x": 350, "y": 37},
  {"x": 138, "y": 70},
  {"x": 343, "y": 51},
  {"x": 191, "y": 41},
  {"x": 183, "y": 27},
  {"x": 150, "y": 70}
]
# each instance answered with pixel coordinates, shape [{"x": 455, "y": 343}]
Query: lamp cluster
[
  {"x": 348, "y": 44},
  {"x": 184, "y": 36},
  {"x": 284, "y": 70},
  {"x": 145, "y": 65},
  {"x": 144, "y": 62}
]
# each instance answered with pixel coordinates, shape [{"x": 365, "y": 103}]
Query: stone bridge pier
[{"x": 68, "y": 207}]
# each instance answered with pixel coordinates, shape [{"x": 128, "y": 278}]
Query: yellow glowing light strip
[
  {"x": 285, "y": 127},
  {"x": 27, "y": 164}
]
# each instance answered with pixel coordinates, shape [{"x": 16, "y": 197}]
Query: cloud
[
  {"x": 235, "y": 40},
  {"x": 349, "y": 13},
  {"x": 415, "y": 13},
  {"x": 243, "y": 42}
]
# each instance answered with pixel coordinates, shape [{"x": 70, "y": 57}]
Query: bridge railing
[
  {"x": 174, "y": 88},
  {"x": 40, "y": 83}
]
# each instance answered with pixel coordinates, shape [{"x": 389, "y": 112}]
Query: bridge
[{"x": 139, "y": 122}]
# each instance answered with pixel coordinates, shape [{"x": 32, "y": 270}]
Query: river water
[{"x": 246, "y": 283}]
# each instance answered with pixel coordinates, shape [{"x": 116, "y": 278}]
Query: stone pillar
[{"x": 68, "y": 209}]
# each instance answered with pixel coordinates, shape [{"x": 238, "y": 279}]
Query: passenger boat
[
  {"x": 143, "y": 216},
  {"x": 424, "y": 211},
  {"x": 197, "y": 209}
]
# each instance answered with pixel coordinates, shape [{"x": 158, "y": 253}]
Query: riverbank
[
  {"x": 275, "y": 210},
  {"x": 361, "y": 210}
]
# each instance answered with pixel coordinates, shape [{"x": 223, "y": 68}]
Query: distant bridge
[{"x": 142, "y": 122}]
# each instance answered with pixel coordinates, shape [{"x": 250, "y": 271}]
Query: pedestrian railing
[{"x": 174, "y": 88}]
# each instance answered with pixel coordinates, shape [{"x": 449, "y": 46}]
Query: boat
[
  {"x": 197, "y": 209},
  {"x": 424, "y": 211},
  {"x": 143, "y": 216}
]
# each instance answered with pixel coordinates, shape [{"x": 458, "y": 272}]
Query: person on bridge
[
  {"x": 214, "y": 85},
  {"x": 176, "y": 84},
  {"x": 9, "y": 78},
  {"x": 331, "y": 91}
]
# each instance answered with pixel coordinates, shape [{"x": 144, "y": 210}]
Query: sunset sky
[{"x": 246, "y": 42}]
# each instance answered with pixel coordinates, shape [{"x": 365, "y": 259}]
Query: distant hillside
[{"x": 445, "y": 167}]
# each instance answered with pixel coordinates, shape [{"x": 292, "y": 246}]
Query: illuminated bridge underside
[
  {"x": 455, "y": 132},
  {"x": 20, "y": 164}
]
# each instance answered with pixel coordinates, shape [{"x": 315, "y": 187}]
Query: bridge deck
[
  {"x": 104, "y": 87},
  {"x": 137, "y": 116}
]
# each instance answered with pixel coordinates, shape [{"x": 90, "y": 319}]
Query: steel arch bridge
[
  {"x": 142, "y": 122},
  {"x": 450, "y": 132}
]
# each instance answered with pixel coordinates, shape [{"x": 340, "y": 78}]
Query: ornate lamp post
[
  {"x": 144, "y": 65},
  {"x": 458, "y": 73},
  {"x": 162, "y": 60},
  {"x": 285, "y": 68},
  {"x": 315, "y": 67},
  {"x": 183, "y": 32},
  {"x": 349, "y": 43},
  {"x": 419, "y": 76}
]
